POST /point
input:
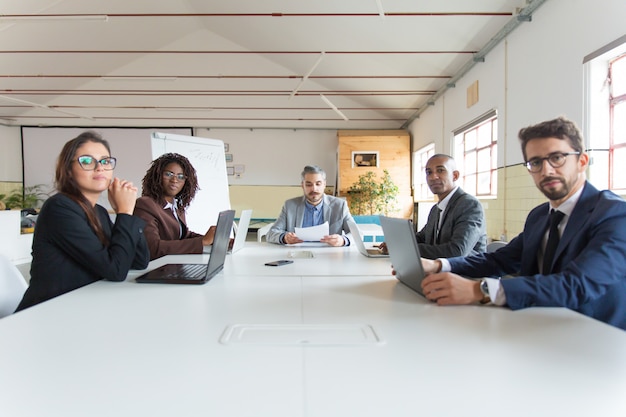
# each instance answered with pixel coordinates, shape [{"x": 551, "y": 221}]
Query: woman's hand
[
  {"x": 122, "y": 196},
  {"x": 209, "y": 236}
]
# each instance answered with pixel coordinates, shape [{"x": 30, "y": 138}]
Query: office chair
[
  {"x": 495, "y": 245},
  {"x": 12, "y": 286},
  {"x": 263, "y": 231}
]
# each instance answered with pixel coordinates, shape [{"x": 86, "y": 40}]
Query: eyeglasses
[
  {"x": 90, "y": 163},
  {"x": 170, "y": 175},
  {"x": 556, "y": 160}
]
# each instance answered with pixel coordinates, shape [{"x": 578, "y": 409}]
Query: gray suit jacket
[
  {"x": 462, "y": 230},
  {"x": 336, "y": 212}
]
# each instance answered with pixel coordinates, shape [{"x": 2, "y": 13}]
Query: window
[
  {"x": 605, "y": 115},
  {"x": 476, "y": 155},
  {"x": 617, "y": 130},
  {"x": 420, "y": 157}
]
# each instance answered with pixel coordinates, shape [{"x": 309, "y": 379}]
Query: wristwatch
[{"x": 484, "y": 288}]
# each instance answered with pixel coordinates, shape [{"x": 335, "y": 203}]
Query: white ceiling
[{"x": 235, "y": 63}]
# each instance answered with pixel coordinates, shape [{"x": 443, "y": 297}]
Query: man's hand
[
  {"x": 447, "y": 288},
  {"x": 290, "y": 238},
  {"x": 333, "y": 240},
  {"x": 430, "y": 266}
]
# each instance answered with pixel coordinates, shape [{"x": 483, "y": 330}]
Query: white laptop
[
  {"x": 404, "y": 252},
  {"x": 360, "y": 245},
  {"x": 241, "y": 232}
]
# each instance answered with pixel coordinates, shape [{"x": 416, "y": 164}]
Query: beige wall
[
  {"x": 266, "y": 201},
  {"x": 517, "y": 195}
]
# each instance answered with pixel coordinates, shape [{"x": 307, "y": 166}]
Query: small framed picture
[
  {"x": 229, "y": 157},
  {"x": 367, "y": 159},
  {"x": 230, "y": 171},
  {"x": 226, "y": 147}
]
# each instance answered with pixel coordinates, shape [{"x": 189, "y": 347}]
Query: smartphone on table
[{"x": 279, "y": 263}]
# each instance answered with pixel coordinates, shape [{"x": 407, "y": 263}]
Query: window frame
[
  {"x": 421, "y": 191},
  {"x": 469, "y": 143}
]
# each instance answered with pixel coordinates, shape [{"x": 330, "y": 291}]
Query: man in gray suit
[
  {"x": 456, "y": 224},
  {"x": 312, "y": 209}
]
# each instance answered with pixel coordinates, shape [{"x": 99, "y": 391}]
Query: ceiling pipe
[{"x": 524, "y": 15}]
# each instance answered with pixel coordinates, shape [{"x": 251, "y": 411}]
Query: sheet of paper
[{"x": 313, "y": 233}]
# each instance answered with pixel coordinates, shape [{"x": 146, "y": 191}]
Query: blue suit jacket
[
  {"x": 336, "y": 213},
  {"x": 590, "y": 260}
]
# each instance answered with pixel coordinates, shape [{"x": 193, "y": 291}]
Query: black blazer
[{"x": 67, "y": 254}]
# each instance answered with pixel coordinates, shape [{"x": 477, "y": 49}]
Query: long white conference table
[{"x": 333, "y": 335}]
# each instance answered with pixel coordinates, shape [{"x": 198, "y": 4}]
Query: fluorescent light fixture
[
  {"x": 53, "y": 17},
  {"x": 43, "y": 106},
  {"x": 332, "y": 106},
  {"x": 381, "y": 12},
  {"x": 308, "y": 74}
]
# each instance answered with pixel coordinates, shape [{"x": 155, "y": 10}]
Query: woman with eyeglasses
[
  {"x": 169, "y": 186},
  {"x": 75, "y": 242}
]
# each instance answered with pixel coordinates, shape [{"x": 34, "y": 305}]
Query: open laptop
[
  {"x": 197, "y": 273},
  {"x": 403, "y": 252},
  {"x": 360, "y": 245},
  {"x": 242, "y": 230}
]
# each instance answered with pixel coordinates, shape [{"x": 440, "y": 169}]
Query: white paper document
[{"x": 313, "y": 233}]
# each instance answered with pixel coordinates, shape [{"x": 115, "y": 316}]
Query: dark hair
[
  {"x": 152, "y": 183},
  {"x": 313, "y": 169},
  {"x": 66, "y": 184},
  {"x": 559, "y": 128}
]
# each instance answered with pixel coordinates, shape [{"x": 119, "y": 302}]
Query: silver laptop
[
  {"x": 403, "y": 252},
  {"x": 197, "y": 273},
  {"x": 360, "y": 245}
]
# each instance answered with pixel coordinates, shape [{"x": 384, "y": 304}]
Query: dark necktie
[
  {"x": 436, "y": 231},
  {"x": 553, "y": 241}
]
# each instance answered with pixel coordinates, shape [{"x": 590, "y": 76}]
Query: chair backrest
[
  {"x": 495, "y": 245},
  {"x": 263, "y": 231},
  {"x": 12, "y": 286}
]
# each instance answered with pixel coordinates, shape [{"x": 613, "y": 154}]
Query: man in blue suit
[{"x": 587, "y": 272}]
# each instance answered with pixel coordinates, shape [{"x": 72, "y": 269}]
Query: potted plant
[
  {"x": 368, "y": 196},
  {"x": 25, "y": 198}
]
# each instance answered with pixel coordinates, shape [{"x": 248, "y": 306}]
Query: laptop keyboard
[{"x": 190, "y": 272}]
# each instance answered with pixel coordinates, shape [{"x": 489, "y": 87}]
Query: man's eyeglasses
[
  {"x": 169, "y": 175},
  {"x": 556, "y": 160},
  {"x": 90, "y": 163}
]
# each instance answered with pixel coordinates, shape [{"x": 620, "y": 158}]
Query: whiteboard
[
  {"x": 131, "y": 146},
  {"x": 208, "y": 158}
]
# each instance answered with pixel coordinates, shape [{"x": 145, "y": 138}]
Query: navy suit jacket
[
  {"x": 336, "y": 213},
  {"x": 590, "y": 260},
  {"x": 462, "y": 229}
]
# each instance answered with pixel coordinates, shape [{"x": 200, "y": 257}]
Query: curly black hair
[{"x": 152, "y": 183}]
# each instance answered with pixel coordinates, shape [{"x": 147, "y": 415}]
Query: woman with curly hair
[
  {"x": 75, "y": 242},
  {"x": 169, "y": 186}
]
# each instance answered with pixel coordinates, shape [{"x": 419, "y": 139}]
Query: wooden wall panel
[{"x": 394, "y": 150}]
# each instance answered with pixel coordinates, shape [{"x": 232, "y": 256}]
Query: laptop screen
[{"x": 220, "y": 241}]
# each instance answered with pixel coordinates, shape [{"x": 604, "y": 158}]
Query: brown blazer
[{"x": 162, "y": 229}]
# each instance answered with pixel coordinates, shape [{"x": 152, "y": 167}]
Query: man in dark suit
[
  {"x": 312, "y": 209},
  {"x": 456, "y": 224},
  {"x": 586, "y": 271}
]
